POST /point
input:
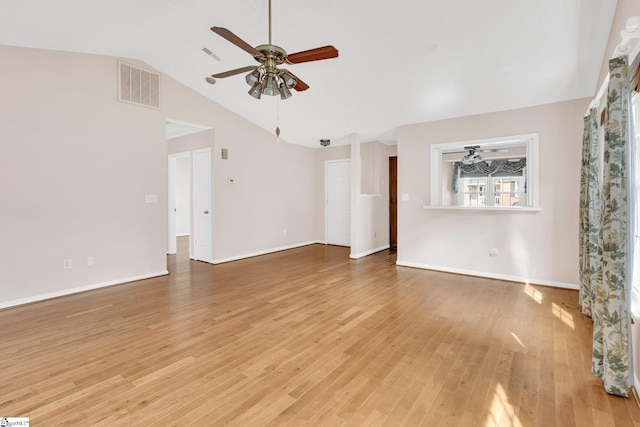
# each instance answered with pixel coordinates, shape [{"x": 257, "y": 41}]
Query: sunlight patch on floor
[
  {"x": 501, "y": 413},
  {"x": 533, "y": 293},
  {"x": 517, "y": 339},
  {"x": 563, "y": 315}
]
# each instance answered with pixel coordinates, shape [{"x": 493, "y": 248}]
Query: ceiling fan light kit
[
  {"x": 471, "y": 158},
  {"x": 473, "y": 155},
  {"x": 267, "y": 78}
]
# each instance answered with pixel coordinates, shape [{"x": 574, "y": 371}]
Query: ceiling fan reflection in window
[
  {"x": 473, "y": 153},
  {"x": 267, "y": 78}
]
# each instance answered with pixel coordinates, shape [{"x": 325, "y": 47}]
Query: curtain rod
[{"x": 631, "y": 31}]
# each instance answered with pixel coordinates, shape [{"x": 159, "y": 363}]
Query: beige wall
[
  {"x": 270, "y": 205},
  {"x": 76, "y": 165},
  {"x": 540, "y": 247},
  {"x": 370, "y": 196}
]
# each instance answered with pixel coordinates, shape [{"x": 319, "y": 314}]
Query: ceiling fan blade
[
  {"x": 300, "y": 85},
  {"x": 223, "y": 32},
  {"x": 325, "y": 52},
  {"x": 234, "y": 72}
]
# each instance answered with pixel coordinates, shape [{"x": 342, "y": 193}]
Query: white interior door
[
  {"x": 338, "y": 197},
  {"x": 202, "y": 205}
]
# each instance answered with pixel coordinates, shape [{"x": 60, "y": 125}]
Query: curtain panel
[
  {"x": 589, "y": 211},
  {"x": 610, "y": 356}
]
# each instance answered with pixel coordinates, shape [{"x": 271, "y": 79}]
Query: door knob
[{"x": 206, "y": 212}]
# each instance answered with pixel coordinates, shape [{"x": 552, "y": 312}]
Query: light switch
[
  {"x": 405, "y": 197},
  {"x": 151, "y": 198}
]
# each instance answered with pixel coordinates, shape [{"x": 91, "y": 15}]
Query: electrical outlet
[
  {"x": 90, "y": 260},
  {"x": 493, "y": 252},
  {"x": 66, "y": 264},
  {"x": 284, "y": 232}
]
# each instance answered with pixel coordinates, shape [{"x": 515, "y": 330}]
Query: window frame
[{"x": 530, "y": 141}]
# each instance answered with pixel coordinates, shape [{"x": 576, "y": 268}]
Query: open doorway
[
  {"x": 180, "y": 212},
  {"x": 189, "y": 189}
]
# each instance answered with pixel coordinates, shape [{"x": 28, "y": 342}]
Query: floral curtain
[
  {"x": 589, "y": 211},
  {"x": 610, "y": 357},
  {"x": 486, "y": 168}
]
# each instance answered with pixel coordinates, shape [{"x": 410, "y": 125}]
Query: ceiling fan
[
  {"x": 473, "y": 156},
  {"x": 267, "y": 78}
]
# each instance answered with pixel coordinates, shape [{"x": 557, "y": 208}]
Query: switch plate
[
  {"x": 225, "y": 154},
  {"x": 151, "y": 198},
  {"x": 91, "y": 260},
  {"x": 66, "y": 264},
  {"x": 405, "y": 197}
]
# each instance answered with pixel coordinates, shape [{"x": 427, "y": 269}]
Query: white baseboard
[
  {"x": 182, "y": 235},
  {"x": 372, "y": 251},
  {"x": 519, "y": 279},
  {"x": 264, "y": 252},
  {"x": 50, "y": 295}
]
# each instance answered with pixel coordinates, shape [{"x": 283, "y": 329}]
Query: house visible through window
[{"x": 490, "y": 190}]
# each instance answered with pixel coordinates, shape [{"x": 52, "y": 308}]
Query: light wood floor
[{"x": 305, "y": 337}]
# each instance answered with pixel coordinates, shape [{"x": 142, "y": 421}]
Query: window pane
[
  {"x": 507, "y": 191},
  {"x": 474, "y": 191}
]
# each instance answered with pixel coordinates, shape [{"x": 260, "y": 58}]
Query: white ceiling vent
[{"x": 138, "y": 86}]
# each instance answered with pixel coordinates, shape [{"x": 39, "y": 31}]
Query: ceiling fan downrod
[{"x": 270, "y": 22}]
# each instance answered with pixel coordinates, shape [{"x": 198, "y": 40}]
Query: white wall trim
[
  {"x": 264, "y": 252},
  {"x": 519, "y": 279},
  {"x": 50, "y": 295},
  {"x": 372, "y": 251}
]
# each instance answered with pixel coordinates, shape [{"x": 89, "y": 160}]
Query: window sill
[{"x": 485, "y": 208}]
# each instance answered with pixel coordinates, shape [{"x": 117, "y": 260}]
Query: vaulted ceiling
[{"x": 400, "y": 61}]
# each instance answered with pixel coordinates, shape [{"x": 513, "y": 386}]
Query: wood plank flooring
[{"x": 305, "y": 337}]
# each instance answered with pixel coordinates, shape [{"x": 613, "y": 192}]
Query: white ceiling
[{"x": 401, "y": 62}]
